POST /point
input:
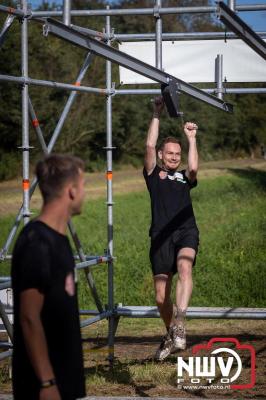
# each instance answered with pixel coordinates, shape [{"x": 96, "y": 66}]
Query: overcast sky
[{"x": 256, "y": 19}]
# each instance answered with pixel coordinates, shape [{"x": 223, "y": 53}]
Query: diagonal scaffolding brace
[
  {"x": 7, "y": 25},
  {"x": 241, "y": 29},
  {"x": 4, "y": 251}
]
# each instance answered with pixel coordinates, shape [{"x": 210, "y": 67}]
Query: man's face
[
  {"x": 79, "y": 194},
  {"x": 170, "y": 156}
]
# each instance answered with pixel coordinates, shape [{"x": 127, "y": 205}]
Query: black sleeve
[
  {"x": 191, "y": 184},
  {"x": 145, "y": 173},
  {"x": 34, "y": 267},
  {"x": 149, "y": 178}
]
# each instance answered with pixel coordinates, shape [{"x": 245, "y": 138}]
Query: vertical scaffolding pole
[
  {"x": 158, "y": 41},
  {"x": 45, "y": 149},
  {"x": 25, "y": 115},
  {"x": 109, "y": 176},
  {"x": 67, "y": 12},
  {"x": 219, "y": 75},
  {"x": 232, "y": 4}
]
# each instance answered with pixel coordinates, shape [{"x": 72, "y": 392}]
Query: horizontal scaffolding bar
[
  {"x": 195, "y": 312},
  {"x": 52, "y": 84},
  {"x": 213, "y": 90},
  {"x": 176, "y": 36},
  {"x": 9, "y": 311},
  {"x": 29, "y": 81},
  {"x": 88, "y": 312},
  {"x": 246, "y": 90},
  {"x": 6, "y": 345},
  {"x": 87, "y": 257},
  {"x": 251, "y": 7},
  {"x": 6, "y": 257},
  {"x": 5, "y": 285},
  {"x": 95, "y": 261},
  {"x": 99, "y": 317},
  {"x": 5, "y": 278},
  {"x": 241, "y": 29},
  {"x": 68, "y": 34},
  {"x": 6, "y": 354},
  {"x": 145, "y": 11},
  {"x": 127, "y": 11},
  {"x": 90, "y": 32},
  {"x": 11, "y": 10}
]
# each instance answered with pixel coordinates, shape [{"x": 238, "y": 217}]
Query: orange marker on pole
[
  {"x": 25, "y": 184},
  {"x": 35, "y": 123},
  {"x": 109, "y": 175}
]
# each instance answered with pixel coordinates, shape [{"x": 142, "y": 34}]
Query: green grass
[
  {"x": 230, "y": 270},
  {"x": 130, "y": 373}
]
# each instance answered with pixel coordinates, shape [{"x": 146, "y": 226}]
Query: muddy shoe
[
  {"x": 178, "y": 335},
  {"x": 165, "y": 348}
]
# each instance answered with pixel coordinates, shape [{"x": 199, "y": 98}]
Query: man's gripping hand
[
  {"x": 190, "y": 129},
  {"x": 158, "y": 106}
]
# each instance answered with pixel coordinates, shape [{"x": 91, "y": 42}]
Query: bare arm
[
  {"x": 190, "y": 130},
  {"x": 31, "y": 303},
  {"x": 152, "y": 136}
]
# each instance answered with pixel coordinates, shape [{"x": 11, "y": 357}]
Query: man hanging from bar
[{"x": 174, "y": 233}]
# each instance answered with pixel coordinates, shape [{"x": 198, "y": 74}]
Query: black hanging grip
[{"x": 171, "y": 99}]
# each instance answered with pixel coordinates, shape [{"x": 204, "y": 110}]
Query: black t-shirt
[
  {"x": 43, "y": 259},
  {"x": 170, "y": 200}
]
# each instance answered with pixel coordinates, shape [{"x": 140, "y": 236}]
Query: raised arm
[
  {"x": 190, "y": 130},
  {"x": 152, "y": 136}
]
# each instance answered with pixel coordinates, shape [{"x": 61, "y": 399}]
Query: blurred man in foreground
[{"x": 47, "y": 358}]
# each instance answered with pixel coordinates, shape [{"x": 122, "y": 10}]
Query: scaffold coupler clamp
[
  {"x": 45, "y": 29},
  {"x": 3, "y": 255},
  {"x": 156, "y": 12}
]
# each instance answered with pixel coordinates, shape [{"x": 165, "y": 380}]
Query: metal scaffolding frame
[
  {"x": 233, "y": 22},
  {"x": 103, "y": 46}
]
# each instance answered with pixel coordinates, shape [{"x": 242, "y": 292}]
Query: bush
[{"x": 9, "y": 165}]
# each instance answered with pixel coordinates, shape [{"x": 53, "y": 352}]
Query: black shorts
[{"x": 164, "y": 249}]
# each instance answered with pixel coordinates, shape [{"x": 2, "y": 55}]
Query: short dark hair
[
  {"x": 169, "y": 139},
  {"x": 54, "y": 171}
]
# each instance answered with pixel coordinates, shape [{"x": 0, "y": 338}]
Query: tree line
[{"x": 84, "y": 132}]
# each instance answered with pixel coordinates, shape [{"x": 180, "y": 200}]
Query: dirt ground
[{"x": 136, "y": 373}]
